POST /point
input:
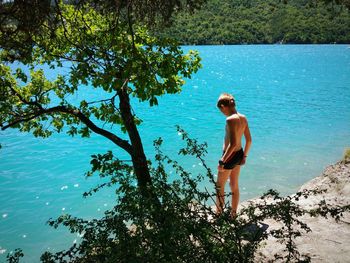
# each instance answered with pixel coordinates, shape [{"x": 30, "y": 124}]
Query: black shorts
[{"x": 235, "y": 159}]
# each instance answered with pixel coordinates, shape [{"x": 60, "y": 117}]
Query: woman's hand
[
  {"x": 243, "y": 160},
  {"x": 220, "y": 168}
]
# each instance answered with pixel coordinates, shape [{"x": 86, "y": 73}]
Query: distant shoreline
[{"x": 273, "y": 44}]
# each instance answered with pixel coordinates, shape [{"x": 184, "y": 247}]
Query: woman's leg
[
  {"x": 220, "y": 189},
  {"x": 234, "y": 175}
]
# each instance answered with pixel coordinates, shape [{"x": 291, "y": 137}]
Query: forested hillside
[{"x": 262, "y": 21}]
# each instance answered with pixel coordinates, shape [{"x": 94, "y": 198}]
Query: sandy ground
[{"x": 329, "y": 241}]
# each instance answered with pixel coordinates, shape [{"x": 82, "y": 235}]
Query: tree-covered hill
[{"x": 262, "y": 21}]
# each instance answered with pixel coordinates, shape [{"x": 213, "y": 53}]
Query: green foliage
[
  {"x": 96, "y": 51},
  {"x": 186, "y": 229},
  {"x": 346, "y": 157},
  {"x": 15, "y": 256},
  {"x": 18, "y": 27},
  {"x": 260, "y": 22}
]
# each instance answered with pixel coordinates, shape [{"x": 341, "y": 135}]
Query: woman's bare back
[{"x": 235, "y": 127}]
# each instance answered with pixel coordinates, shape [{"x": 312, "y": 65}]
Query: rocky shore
[{"x": 329, "y": 241}]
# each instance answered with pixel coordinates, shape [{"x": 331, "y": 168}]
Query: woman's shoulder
[
  {"x": 233, "y": 117},
  {"x": 241, "y": 115}
]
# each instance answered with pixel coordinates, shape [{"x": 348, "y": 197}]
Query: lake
[{"x": 296, "y": 99}]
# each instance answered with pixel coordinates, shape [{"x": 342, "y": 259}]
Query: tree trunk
[{"x": 138, "y": 156}]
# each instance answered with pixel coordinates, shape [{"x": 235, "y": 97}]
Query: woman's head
[{"x": 226, "y": 100}]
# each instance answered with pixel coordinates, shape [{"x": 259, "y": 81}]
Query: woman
[{"x": 233, "y": 154}]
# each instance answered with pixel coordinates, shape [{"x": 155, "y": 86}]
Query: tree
[
  {"x": 255, "y": 22},
  {"x": 106, "y": 46}
]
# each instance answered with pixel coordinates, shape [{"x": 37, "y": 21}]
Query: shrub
[{"x": 346, "y": 157}]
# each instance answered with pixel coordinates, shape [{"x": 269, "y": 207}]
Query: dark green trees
[{"x": 263, "y": 22}]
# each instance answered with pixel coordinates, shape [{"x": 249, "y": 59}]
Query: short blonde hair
[{"x": 226, "y": 100}]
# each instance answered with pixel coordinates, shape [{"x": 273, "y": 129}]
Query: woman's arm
[
  {"x": 248, "y": 142},
  {"x": 231, "y": 138}
]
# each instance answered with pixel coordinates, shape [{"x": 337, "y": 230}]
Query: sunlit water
[{"x": 297, "y": 102}]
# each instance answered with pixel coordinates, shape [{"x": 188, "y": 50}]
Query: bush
[
  {"x": 346, "y": 157},
  {"x": 184, "y": 228}
]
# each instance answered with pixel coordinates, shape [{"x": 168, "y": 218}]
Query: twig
[{"x": 333, "y": 241}]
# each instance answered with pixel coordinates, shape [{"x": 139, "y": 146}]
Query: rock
[{"x": 329, "y": 241}]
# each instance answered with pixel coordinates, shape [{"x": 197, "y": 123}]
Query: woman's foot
[{"x": 233, "y": 214}]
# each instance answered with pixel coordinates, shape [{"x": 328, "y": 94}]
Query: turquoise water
[{"x": 296, "y": 98}]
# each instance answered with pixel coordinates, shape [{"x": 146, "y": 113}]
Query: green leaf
[{"x": 21, "y": 75}]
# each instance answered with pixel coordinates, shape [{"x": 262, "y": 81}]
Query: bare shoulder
[
  {"x": 243, "y": 117},
  {"x": 233, "y": 118}
]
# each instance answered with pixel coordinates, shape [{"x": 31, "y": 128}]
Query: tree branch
[
  {"x": 33, "y": 103},
  {"x": 84, "y": 119}
]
